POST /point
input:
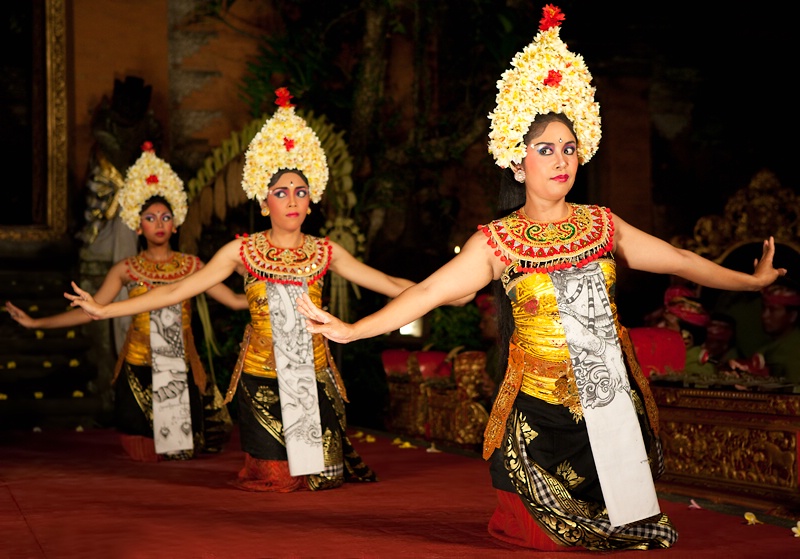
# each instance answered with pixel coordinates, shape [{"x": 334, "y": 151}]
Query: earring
[
  {"x": 308, "y": 211},
  {"x": 265, "y": 212},
  {"x": 519, "y": 175}
]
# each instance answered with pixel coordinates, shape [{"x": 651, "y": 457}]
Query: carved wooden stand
[{"x": 740, "y": 446}]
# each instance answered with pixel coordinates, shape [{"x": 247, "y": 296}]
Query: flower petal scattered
[{"x": 751, "y": 518}]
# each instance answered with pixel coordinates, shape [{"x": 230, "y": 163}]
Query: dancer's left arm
[{"x": 642, "y": 251}]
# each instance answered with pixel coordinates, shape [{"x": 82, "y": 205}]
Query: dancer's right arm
[
  {"x": 463, "y": 276},
  {"x": 110, "y": 288},
  {"x": 223, "y": 264}
]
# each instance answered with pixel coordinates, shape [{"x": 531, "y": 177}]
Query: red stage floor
[{"x": 67, "y": 495}]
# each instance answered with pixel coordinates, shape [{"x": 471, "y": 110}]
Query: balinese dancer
[
  {"x": 159, "y": 379},
  {"x": 573, "y": 433},
  {"x": 291, "y": 396}
]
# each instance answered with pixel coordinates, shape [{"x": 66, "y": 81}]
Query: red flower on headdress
[
  {"x": 147, "y": 146},
  {"x": 553, "y": 78},
  {"x": 283, "y": 97},
  {"x": 552, "y": 16},
  {"x": 152, "y": 179},
  {"x": 288, "y": 143}
]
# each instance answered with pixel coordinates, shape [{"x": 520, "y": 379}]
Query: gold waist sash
[
  {"x": 549, "y": 381},
  {"x": 136, "y": 351},
  {"x": 257, "y": 357},
  {"x": 540, "y": 378}
]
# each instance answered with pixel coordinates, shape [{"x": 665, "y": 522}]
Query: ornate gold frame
[
  {"x": 753, "y": 213},
  {"x": 56, "y": 144}
]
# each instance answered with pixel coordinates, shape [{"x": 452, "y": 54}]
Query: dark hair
[
  {"x": 154, "y": 200},
  {"x": 540, "y": 123},
  {"x": 719, "y": 316},
  {"x": 274, "y": 180},
  {"x": 511, "y": 198}
]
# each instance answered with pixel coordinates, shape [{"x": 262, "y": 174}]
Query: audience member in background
[
  {"x": 779, "y": 312},
  {"x": 717, "y": 350},
  {"x": 687, "y": 316},
  {"x": 678, "y": 288}
]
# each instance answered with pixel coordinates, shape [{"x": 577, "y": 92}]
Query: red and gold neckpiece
[
  {"x": 267, "y": 262},
  {"x": 586, "y": 234},
  {"x": 150, "y": 273}
]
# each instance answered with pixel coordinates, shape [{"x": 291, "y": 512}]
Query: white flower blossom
[
  {"x": 284, "y": 142},
  {"x": 150, "y": 176},
  {"x": 522, "y": 95}
]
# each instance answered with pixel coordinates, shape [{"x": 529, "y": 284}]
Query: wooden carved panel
[
  {"x": 742, "y": 443},
  {"x": 49, "y": 173}
]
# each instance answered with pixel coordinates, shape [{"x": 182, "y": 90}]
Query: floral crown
[
  {"x": 545, "y": 78},
  {"x": 284, "y": 142},
  {"x": 150, "y": 176}
]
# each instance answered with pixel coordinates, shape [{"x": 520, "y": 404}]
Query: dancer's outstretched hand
[
  {"x": 84, "y": 300},
  {"x": 321, "y": 322},
  {"x": 19, "y": 315},
  {"x": 763, "y": 267}
]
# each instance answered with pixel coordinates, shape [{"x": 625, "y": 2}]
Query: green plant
[{"x": 453, "y": 327}]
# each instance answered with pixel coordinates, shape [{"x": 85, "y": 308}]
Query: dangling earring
[
  {"x": 519, "y": 175},
  {"x": 265, "y": 212},
  {"x": 308, "y": 211}
]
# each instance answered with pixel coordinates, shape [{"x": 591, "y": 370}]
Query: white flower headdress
[
  {"x": 545, "y": 77},
  {"x": 151, "y": 176},
  {"x": 284, "y": 142}
]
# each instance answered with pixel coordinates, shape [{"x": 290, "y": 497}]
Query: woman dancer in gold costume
[
  {"x": 291, "y": 397},
  {"x": 573, "y": 433},
  {"x": 158, "y": 405}
]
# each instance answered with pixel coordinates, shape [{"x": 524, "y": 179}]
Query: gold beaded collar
[
  {"x": 150, "y": 273},
  {"x": 265, "y": 261},
  {"x": 586, "y": 234}
]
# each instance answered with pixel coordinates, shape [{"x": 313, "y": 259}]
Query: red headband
[
  {"x": 688, "y": 311},
  {"x": 675, "y": 291},
  {"x": 781, "y": 295}
]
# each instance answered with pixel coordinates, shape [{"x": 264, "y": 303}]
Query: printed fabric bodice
[
  {"x": 145, "y": 275},
  {"x": 531, "y": 249},
  {"x": 267, "y": 264},
  {"x": 537, "y": 322},
  {"x": 534, "y": 254}
]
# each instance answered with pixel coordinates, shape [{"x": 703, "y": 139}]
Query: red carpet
[{"x": 70, "y": 495}]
